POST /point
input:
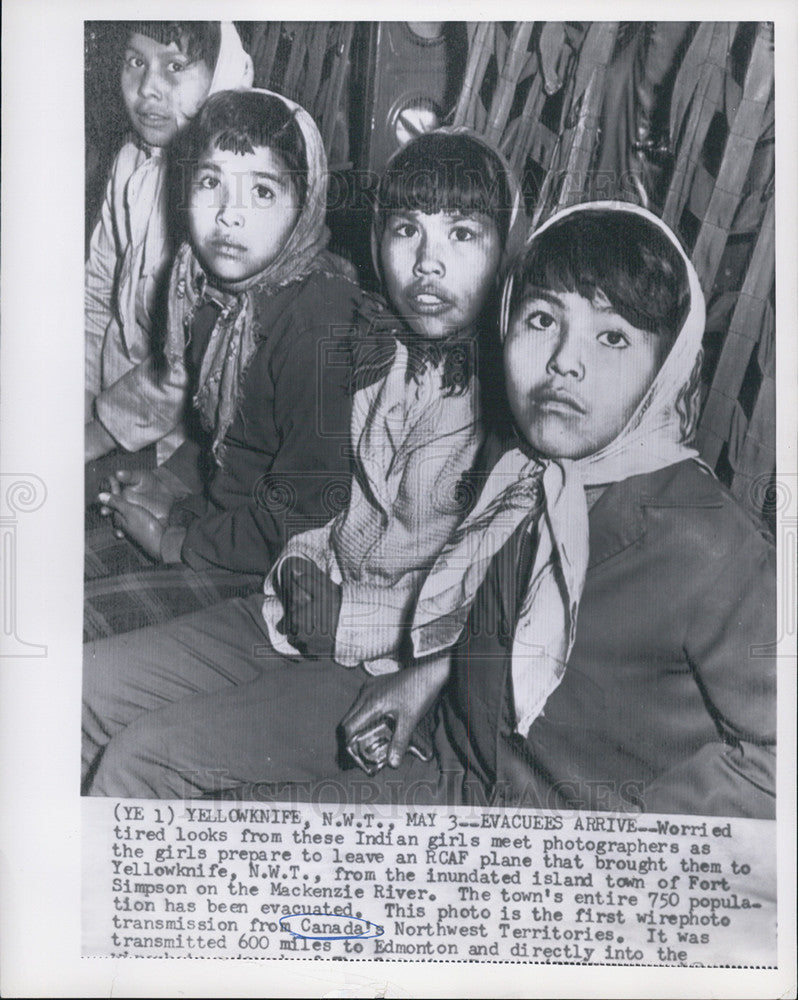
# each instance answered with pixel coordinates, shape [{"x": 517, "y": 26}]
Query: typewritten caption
[{"x": 222, "y": 880}]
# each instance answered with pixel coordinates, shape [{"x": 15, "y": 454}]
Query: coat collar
[{"x": 617, "y": 519}]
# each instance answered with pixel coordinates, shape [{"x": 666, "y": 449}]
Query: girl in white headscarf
[
  {"x": 168, "y": 69},
  {"x": 601, "y": 601}
]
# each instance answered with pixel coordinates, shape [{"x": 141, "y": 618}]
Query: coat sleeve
[
  {"x": 730, "y": 645},
  {"x": 98, "y": 292},
  {"x": 182, "y": 471},
  {"x": 301, "y": 467},
  {"x": 147, "y": 401},
  {"x": 143, "y": 405}
]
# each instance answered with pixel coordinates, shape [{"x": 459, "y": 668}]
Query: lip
[
  {"x": 227, "y": 248},
  {"x": 427, "y": 300},
  {"x": 552, "y": 398},
  {"x": 152, "y": 119}
]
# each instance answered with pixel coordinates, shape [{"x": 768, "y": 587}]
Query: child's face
[
  {"x": 576, "y": 371},
  {"x": 243, "y": 209},
  {"x": 439, "y": 268},
  {"x": 161, "y": 87}
]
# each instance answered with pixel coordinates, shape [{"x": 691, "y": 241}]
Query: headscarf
[
  {"x": 233, "y": 341},
  {"x": 654, "y": 437},
  {"x": 145, "y": 192}
]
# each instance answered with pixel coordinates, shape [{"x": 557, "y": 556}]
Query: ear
[{"x": 249, "y": 71}]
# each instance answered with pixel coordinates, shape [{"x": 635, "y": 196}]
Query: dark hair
[
  {"x": 623, "y": 255},
  {"x": 446, "y": 172},
  {"x": 237, "y": 122},
  {"x": 198, "y": 40}
]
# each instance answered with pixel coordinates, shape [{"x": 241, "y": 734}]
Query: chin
[
  {"x": 224, "y": 270},
  {"x": 553, "y": 445},
  {"x": 440, "y": 331}
]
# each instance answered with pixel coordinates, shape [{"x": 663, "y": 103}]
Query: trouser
[
  {"x": 125, "y": 590},
  {"x": 204, "y": 705}
]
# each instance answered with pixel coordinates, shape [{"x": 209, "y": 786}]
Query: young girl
[
  {"x": 168, "y": 69},
  {"x": 260, "y": 321},
  {"x": 448, "y": 212}
]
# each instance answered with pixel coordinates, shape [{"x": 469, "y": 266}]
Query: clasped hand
[{"x": 139, "y": 505}]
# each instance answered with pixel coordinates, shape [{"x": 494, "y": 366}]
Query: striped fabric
[{"x": 125, "y": 590}]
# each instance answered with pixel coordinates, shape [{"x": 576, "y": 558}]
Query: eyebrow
[
  {"x": 170, "y": 56},
  {"x": 257, "y": 174},
  {"x": 478, "y": 217},
  {"x": 454, "y": 217},
  {"x": 265, "y": 175},
  {"x": 534, "y": 293}
]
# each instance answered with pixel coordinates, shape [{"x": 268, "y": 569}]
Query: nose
[
  {"x": 151, "y": 85},
  {"x": 429, "y": 259},
  {"x": 229, "y": 215},
  {"x": 566, "y": 358}
]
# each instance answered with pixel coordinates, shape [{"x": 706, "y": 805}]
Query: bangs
[
  {"x": 197, "y": 40},
  {"x": 619, "y": 254},
  {"x": 442, "y": 188},
  {"x": 234, "y": 141},
  {"x": 446, "y": 173},
  {"x": 239, "y": 122}
]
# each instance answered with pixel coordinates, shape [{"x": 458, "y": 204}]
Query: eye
[
  {"x": 461, "y": 234},
  {"x": 406, "y": 230},
  {"x": 134, "y": 62},
  {"x": 540, "y": 319},
  {"x": 613, "y": 338},
  {"x": 207, "y": 181},
  {"x": 175, "y": 67},
  {"x": 263, "y": 193}
]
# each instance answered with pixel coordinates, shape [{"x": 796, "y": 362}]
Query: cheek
[
  {"x": 638, "y": 378},
  {"x": 275, "y": 226},
  {"x": 525, "y": 358},
  {"x": 394, "y": 263},
  {"x": 128, "y": 83},
  {"x": 616, "y": 393},
  {"x": 518, "y": 374},
  {"x": 200, "y": 219},
  {"x": 478, "y": 277},
  {"x": 284, "y": 222},
  {"x": 201, "y": 203},
  {"x": 190, "y": 95}
]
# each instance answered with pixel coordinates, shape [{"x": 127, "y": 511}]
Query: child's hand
[
  {"x": 136, "y": 522},
  {"x": 144, "y": 489},
  {"x": 312, "y": 603},
  {"x": 406, "y": 697}
]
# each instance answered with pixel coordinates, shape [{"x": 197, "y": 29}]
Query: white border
[{"x": 41, "y": 433}]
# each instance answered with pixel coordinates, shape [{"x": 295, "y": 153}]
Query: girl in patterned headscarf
[{"x": 260, "y": 321}]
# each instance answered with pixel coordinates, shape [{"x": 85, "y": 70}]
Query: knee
[{"x": 134, "y": 764}]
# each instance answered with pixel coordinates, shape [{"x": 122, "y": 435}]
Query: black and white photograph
[{"x": 437, "y": 540}]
